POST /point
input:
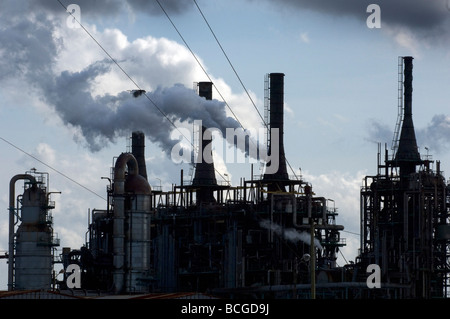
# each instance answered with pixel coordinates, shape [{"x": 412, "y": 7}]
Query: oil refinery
[{"x": 271, "y": 237}]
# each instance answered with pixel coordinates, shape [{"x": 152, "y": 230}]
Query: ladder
[
  {"x": 267, "y": 108},
  {"x": 398, "y": 125}
]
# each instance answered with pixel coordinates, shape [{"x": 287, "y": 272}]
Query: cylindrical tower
[
  {"x": 276, "y": 86},
  {"x": 138, "y": 150},
  {"x": 33, "y": 259},
  {"x": 407, "y": 156},
  {"x": 205, "y": 174},
  {"x": 137, "y": 236},
  {"x": 131, "y": 233}
]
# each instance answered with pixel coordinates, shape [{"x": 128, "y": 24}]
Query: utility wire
[
  {"x": 343, "y": 256},
  {"x": 134, "y": 82},
  {"x": 346, "y": 231},
  {"x": 237, "y": 75},
  {"x": 229, "y": 62},
  {"x": 52, "y": 168},
  {"x": 124, "y": 72},
  {"x": 201, "y": 66},
  {"x": 196, "y": 59}
]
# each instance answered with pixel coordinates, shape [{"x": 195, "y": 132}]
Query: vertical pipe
[
  {"x": 407, "y": 155},
  {"x": 181, "y": 189},
  {"x": 313, "y": 263},
  {"x": 138, "y": 151},
  {"x": 12, "y": 198},
  {"x": 124, "y": 160},
  {"x": 205, "y": 175},
  {"x": 277, "y": 122}
]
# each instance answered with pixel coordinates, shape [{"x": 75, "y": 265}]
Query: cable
[
  {"x": 134, "y": 82},
  {"x": 343, "y": 256},
  {"x": 237, "y": 75},
  {"x": 346, "y": 231},
  {"x": 52, "y": 168},
  {"x": 206, "y": 73},
  {"x": 196, "y": 59},
  {"x": 229, "y": 62},
  {"x": 124, "y": 72}
]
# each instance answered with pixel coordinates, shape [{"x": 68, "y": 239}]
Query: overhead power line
[
  {"x": 237, "y": 75},
  {"x": 120, "y": 67},
  {"x": 134, "y": 82},
  {"x": 199, "y": 63},
  {"x": 229, "y": 62},
  {"x": 52, "y": 168}
]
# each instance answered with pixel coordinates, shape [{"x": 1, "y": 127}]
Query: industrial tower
[{"x": 405, "y": 214}]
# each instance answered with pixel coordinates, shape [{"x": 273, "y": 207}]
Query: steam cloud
[
  {"x": 30, "y": 52},
  {"x": 434, "y": 135},
  {"x": 290, "y": 233},
  {"x": 114, "y": 7},
  {"x": 102, "y": 119},
  {"x": 419, "y": 15}
]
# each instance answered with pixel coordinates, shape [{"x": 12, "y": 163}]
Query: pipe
[
  {"x": 321, "y": 285},
  {"x": 312, "y": 253},
  {"x": 205, "y": 176},
  {"x": 407, "y": 156},
  {"x": 294, "y": 211},
  {"x": 324, "y": 208},
  {"x": 277, "y": 122},
  {"x": 138, "y": 151},
  {"x": 123, "y": 161},
  {"x": 12, "y": 196}
]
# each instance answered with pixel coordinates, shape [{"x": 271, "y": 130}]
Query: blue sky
[{"x": 340, "y": 89}]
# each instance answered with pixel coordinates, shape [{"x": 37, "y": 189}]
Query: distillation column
[{"x": 30, "y": 256}]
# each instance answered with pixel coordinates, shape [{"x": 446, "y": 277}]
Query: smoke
[
  {"x": 409, "y": 23},
  {"x": 379, "y": 132},
  {"x": 102, "y": 119},
  {"x": 99, "y": 9},
  {"x": 28, "y": 49},
  {"x": 434, "y": 136},
  {"x": 85, "y": 98},
  {"x": 413, "y": 14},
  {"x": 290, "y": 233}
]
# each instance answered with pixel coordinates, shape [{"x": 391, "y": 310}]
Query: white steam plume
[
  {"x": 32, "y": 48},
  {"x": 290, "y": 234},
  {"x": 101, "y": 119}
]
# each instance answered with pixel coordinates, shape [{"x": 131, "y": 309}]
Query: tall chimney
[
  {"x": 138, "y": 150},
  {"x": 205, "y": 176},
  {"x": 407, "y": 156},
  {"x": 276, "y": 86}
]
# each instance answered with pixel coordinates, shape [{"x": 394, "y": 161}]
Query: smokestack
[
  {"x": 138, "y": 150},
  {"x": 276, "y": 86},
  {"x": 205, "y": 176},
  {"x": 407, "y": 156}
]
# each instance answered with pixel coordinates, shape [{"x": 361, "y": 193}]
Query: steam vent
[{"x": 271, "y": 236}]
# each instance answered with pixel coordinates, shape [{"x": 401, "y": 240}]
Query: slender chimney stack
[
  {"x": 138, "y": 150},
  {"x": 276, "y": 86},
  {"x": 407, "y": 156},
  {"x": 205, "y": 175}
]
